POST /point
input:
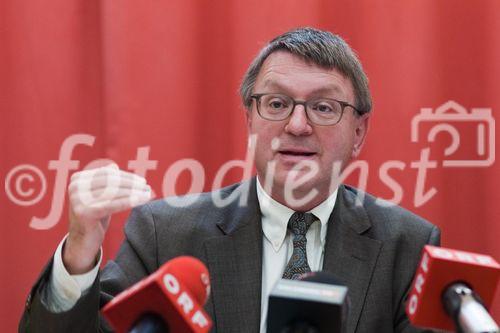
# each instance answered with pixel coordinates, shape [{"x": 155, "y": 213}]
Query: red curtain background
[{"x": 165, "y": 74}]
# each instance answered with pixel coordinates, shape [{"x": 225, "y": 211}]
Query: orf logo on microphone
[
  {"x": 184, "y": 302},
  {"x": 465, "y": 257},
  {"x": 418, "y": 285}
]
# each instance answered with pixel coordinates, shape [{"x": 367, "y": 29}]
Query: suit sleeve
[
  {"x": 435, "y": 237},
  {"x": 136, "y": 258},
  {"x": 404, "y": 325}
]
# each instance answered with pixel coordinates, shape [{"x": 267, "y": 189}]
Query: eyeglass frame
[{"x": 295, "y": 102}]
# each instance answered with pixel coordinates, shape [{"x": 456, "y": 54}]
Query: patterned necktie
[{"x": 298, "y": 224}]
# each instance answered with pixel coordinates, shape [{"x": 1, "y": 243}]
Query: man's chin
[
  {"x": 297, "y": 181},
  {"x": 297, "y": 177}
]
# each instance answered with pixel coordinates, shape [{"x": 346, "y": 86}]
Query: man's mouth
[
  {"x": 296, "y": 153},
  {"x": 294, "y": 156}
]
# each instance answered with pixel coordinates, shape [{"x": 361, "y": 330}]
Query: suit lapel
[
  {"x": 235, "y": 265},
  {"x": 235, "y": 259},
  {"x": 350, "y": 256}
]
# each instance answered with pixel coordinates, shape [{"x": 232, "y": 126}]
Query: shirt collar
[{"x": 275, "y": 216}]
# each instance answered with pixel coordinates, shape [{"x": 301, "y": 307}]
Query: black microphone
[
  {"x": 150, "y": 323},
  {"x": 317, "y": 303}
]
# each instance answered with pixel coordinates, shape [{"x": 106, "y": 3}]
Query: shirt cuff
[{"x": 64, "y": 289}]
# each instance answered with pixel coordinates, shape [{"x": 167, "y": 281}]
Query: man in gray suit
[{"x": 308, "y": 109}]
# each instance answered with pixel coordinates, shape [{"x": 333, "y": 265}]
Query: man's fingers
[
  {"x": 96, "y": 208},
  {"x": 106, "y": 173},
  {"x": 83, "y": 193},
  {"x": 102, "y": 209},
  {"x": 92, "y": 197},
  {"x": 104, "y": 184},
  {"x": 98, "y": 193},
  {"x": 111, "y": 172},
  {"x": 99, "y": 183}
]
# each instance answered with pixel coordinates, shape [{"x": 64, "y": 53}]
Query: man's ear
[{"x": 362, "y": 124}]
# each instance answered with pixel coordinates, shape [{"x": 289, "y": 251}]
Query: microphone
[
  {"x": 169, "y": 300},
  {"x": 446, "y": 289},
  {"x": 316, "y": 303}
]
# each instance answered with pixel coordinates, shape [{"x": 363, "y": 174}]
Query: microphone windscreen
[
  {"x": 193, "y": 273},
  {"x": 298, "y": 305},
  {"x": 150, "y": 323},
  {"x": 321, "y": 277},
  {"x": 175, "y": 293},
  {"x": 440, "y": 267},
  {"x": 328, "y": 278}
]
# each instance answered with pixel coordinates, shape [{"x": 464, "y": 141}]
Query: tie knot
[{"x": 299, "y": 223}]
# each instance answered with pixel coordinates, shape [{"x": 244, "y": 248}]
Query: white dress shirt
[
  {"x": 278, "y": 243},
  {"x": 64, "y": 290}
]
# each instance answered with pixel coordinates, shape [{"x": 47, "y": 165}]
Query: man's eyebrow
[{"x": 331, "y": 88}]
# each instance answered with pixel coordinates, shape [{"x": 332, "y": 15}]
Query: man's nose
[{"x": 298, "y": 123}]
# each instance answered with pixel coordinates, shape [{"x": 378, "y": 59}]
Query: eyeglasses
[{"x": 320, "y": 111}]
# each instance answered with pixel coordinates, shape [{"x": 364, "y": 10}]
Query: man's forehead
[
  {"x": 287, "y": 72},
  {"x": 272, "y": 83}
]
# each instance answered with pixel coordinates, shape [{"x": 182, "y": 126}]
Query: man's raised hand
[{"x": 94, "y": 195}]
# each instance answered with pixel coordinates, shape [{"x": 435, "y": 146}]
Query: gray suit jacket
[{"x": 374, "y": 250}]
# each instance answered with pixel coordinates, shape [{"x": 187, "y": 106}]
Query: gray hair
[{"x": 321, "y": 48}]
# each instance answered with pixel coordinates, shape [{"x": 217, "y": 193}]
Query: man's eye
[
  {"x": 323, "y": 108},
  {"x": 276, "y": 104}
]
